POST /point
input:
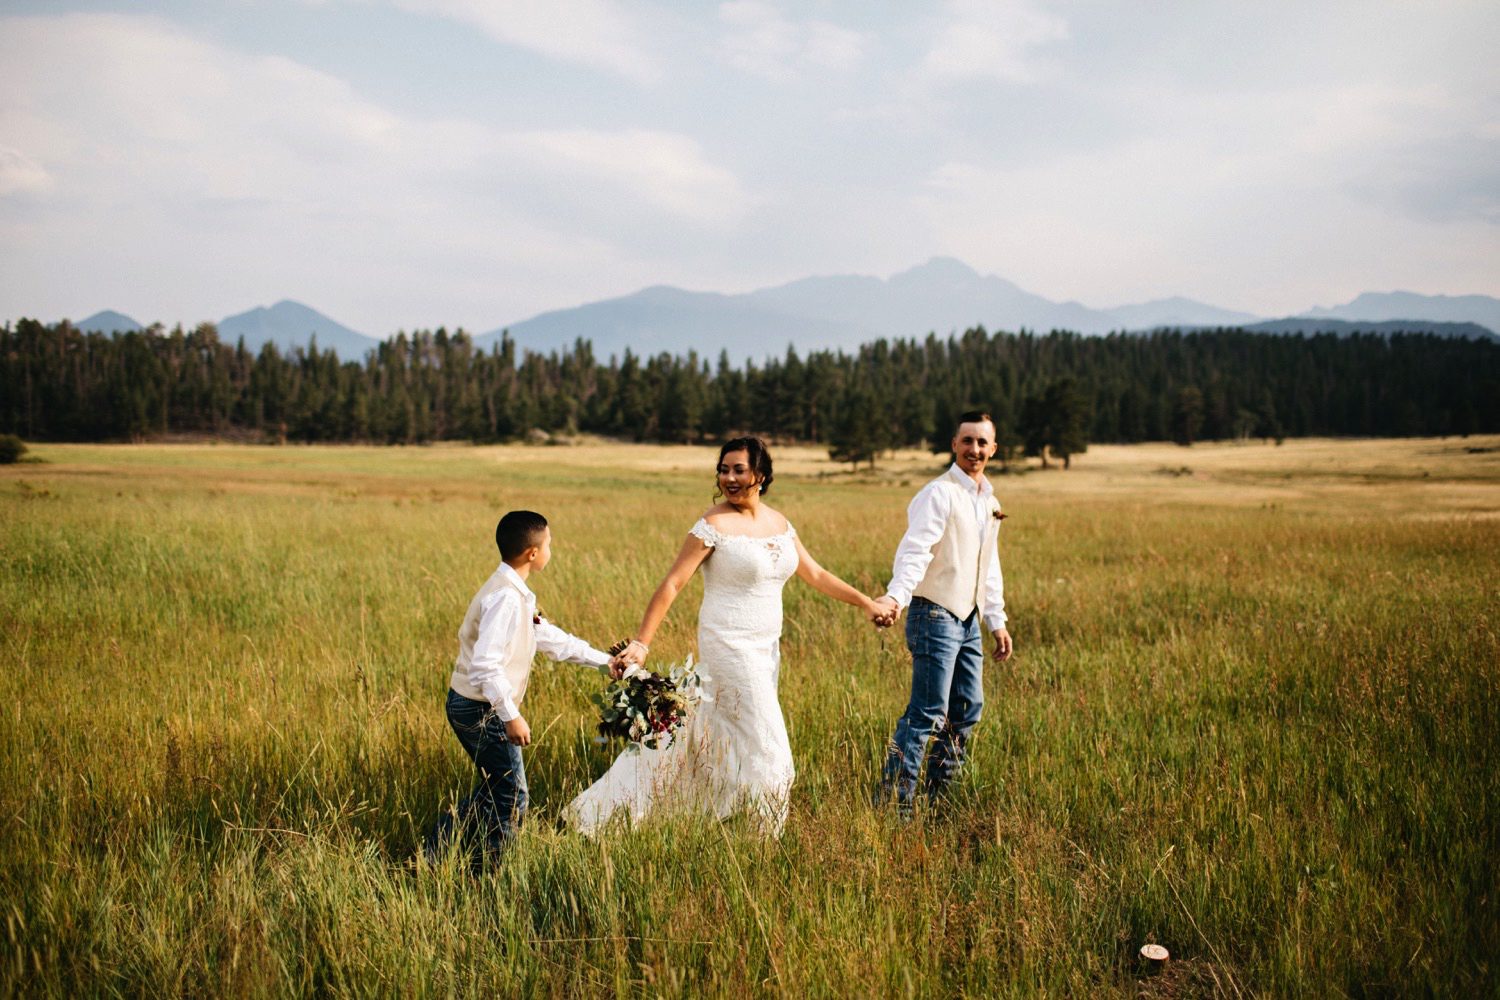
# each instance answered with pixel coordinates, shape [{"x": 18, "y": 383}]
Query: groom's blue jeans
[
  {"x": 947, "y": 695},
  {"x": 496, "y": 806}
]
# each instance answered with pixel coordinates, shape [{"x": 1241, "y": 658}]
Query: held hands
[
  {"x": 625, "y": 654},
  {"x": 883, "y": 612}
]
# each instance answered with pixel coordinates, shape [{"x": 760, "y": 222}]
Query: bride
[{"x": 732, "y": 753}]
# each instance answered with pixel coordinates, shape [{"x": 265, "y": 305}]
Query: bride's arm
[
  {"x": 689, "y": 558},
  {"x": 825, "y": 582}
]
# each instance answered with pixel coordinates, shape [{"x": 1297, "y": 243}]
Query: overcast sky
[{"x": 415, "y": 163}]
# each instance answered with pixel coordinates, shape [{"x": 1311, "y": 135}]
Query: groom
[{"x": 948, "y": 571}]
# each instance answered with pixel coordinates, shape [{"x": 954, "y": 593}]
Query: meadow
[{"x": 1252, "y": 717}]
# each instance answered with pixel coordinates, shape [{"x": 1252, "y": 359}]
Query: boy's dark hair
[
  {"x": 518, "y": 531},
  {"x": 760, "y": 458},
  {"x": 973, "y": 417}
]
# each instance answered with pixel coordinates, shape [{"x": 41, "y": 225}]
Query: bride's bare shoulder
[
  {"x": 777, "y": 517},
  {"x": 716, "y": 514}
]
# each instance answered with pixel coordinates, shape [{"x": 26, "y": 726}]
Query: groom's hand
[
  {"x": 1003, "y": 645},
  {"x": 618, "y": 663}
]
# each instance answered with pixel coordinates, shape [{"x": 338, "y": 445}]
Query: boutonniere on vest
[
  {"x": 536, "y": 619},
  {"x": 999, "y": 516}
]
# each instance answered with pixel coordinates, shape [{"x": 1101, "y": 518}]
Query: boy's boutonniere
[{"x": 537, "y": 617}]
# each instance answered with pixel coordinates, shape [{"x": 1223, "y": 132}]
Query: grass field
[{"x": 1253, "y": 716}]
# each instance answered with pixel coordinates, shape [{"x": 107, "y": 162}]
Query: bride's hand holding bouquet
[
  {"x": 625, "y": 654},
  {"x": 644, "y": 707}
]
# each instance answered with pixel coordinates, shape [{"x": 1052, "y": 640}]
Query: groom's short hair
[
  {"x": 518, "y": 531},
  {"x": 972, "y": 417}
]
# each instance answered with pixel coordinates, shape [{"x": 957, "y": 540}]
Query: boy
[{"x": 501, "y": 634}]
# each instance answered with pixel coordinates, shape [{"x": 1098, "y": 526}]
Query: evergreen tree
[
  {"x": 1067, "y": 420},
  {"x": 857, "y": 435},
  {"x": 1056, "y": 421},
  {"x": 1187, "y": 415}
]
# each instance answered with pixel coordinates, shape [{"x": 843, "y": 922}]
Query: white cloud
[
  {"x": 1000, "y": 39},
  {"x": 20, "y": 174},
  {"x": 1419, "y": 148},
  {"x": 1446, "y": 178},
  {"x": 141, "y": 110},
  {"x": 833, "y": 47},
  {"x": 1423, "y": 150},
  {"x": 596, "y": 33},
  {"x": 760, "y": 40},
  {"x": 666, "y": 170},
  {"x": 1263, "y": 220},
  {"x": 251, "y": 178}
]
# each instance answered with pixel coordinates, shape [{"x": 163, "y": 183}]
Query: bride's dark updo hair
[{"x": 760, "y": 458}]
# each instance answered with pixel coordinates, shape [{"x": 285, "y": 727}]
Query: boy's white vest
[
  {"x": 518, "y": 654},
  {"x": 962, "y": 557}
]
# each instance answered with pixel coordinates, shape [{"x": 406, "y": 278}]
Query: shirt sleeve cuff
[
  {"x": 507, "y": 710},
  {"x": 995, "y": 624},
  {"x": 901, "y": 599}
]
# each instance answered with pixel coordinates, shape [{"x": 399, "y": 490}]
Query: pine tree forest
[{"x": 1049, "y": 393}]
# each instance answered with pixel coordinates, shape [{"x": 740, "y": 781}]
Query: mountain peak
[
  {"x": 108, "y": 321},
  {"x": 940, "y": 269},
  {"x": 291, "y": 324},
  {"x": 284, "y": 307}
]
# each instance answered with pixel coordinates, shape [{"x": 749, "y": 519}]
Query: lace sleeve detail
[{"x": 706, "y": 533}]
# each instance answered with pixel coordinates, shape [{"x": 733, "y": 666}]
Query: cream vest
[
  {"x": 519, "y": 653},
  {"x": 962, "y": 557}
]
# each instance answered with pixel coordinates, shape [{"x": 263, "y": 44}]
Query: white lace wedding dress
[{"x": 732, "y": 753}]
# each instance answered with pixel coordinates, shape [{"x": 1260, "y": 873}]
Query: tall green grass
[{"x": 1260, "y": 730}]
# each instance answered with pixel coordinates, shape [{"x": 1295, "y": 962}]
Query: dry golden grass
[{"x": 1252, "y": 716}]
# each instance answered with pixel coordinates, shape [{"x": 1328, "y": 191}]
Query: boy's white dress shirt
[{"x": 505, "y": 611}]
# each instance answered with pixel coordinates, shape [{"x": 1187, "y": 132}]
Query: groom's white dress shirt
[
  {"x": 927, "y": 517},
  {"x": 506, "y": 611}
]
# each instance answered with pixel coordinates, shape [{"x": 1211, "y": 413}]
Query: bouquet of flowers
[{"x": 646, "y": 708}]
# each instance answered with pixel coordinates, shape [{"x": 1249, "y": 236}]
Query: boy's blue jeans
[
  {"x": 947, "y": 695},
  {"x": 497, "y": 804}
]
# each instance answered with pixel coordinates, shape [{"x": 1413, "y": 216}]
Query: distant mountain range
[
  {"x": 942, "y": 296},
  {"x": 1479, "y": 309},
  {"x": 288, "y": 324},
  {"x": 1384, "y": 327}
]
